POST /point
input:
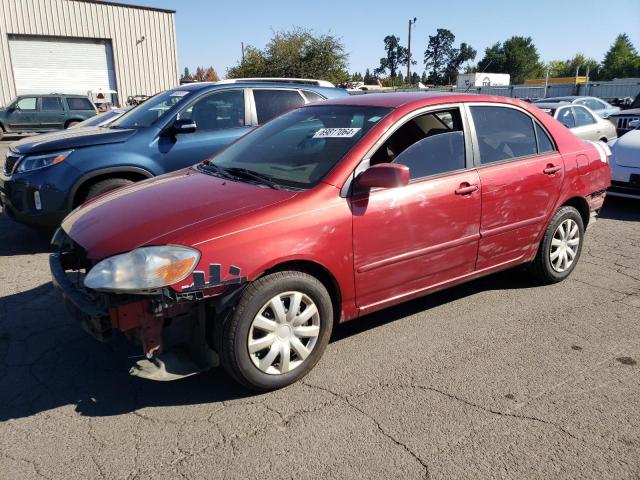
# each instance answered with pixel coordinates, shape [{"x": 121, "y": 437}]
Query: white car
[{"x": 625, "y": 165}]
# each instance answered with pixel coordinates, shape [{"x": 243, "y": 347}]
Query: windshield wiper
[
  {"x": 209, "y": 167},
  {"x": 259, "y": 177}
]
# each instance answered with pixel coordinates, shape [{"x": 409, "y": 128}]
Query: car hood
[
  {"x": 157, "y": 211},
  {"x": 73, "y": 138},
  {"x": 626, "y": 150},
  {"x": 630, "y": 111}
]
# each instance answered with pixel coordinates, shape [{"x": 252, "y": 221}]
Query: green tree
[
  {"x": 517, "y": 56},
  {"x": 186, "y": 75},
  {"x": 396, "y": 56},
  {"x": 438, "y": 53},
  {"x": 297, "y": 53},
  {"x": 424, "y": 78},
  {"x": 568, "y": 68},
  {"x": 458, "y": 56},
  {"x": 368, "y": 79},
  {"x": 356, "y": 77},
  {"x": 621, "y": 60},
  {"x": 415, "y": 78}
]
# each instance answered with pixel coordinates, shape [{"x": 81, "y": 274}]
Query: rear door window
[
  {"x": 583, "y": 117},
  {"x": 271, "y": 103},
  {"x": 429, "y": 144},
  {"x": 51, "y": 104},
  {"x": 79, "y": 103},
  {"x": 503, "y": 133}
]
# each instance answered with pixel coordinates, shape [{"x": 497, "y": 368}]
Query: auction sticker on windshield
[
  {"x": 179, "y": 93},
  {"x": 336, "y": 132}
]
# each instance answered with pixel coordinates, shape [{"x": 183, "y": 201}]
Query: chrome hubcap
[
  {"x": 283, "y": 333},
  {"x": 564, "y": 245}
]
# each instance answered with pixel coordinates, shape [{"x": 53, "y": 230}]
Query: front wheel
[
  {"x": 278, "y": 331},
  {"x": 560, "y": 247}
]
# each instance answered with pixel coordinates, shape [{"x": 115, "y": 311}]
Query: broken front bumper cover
[
  {"x": 80, "y": 304},
  {"x": 100, "y": 314}
]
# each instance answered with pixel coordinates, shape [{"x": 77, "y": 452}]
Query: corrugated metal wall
[{"x": 141, "y": 66}]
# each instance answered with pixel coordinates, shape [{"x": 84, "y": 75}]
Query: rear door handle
[
  {"x": 551, "y": 169},
  {"x": 466, "y": 188}
]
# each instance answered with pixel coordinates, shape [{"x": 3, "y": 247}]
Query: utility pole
[
  {"x": 411, "y": 22},
  {"x": 242, "y": 46}
]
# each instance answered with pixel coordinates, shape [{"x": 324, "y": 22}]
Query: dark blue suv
[{"x": 47, "y": 176}]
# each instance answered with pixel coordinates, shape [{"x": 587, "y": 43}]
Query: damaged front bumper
[{"x": 175, "y": 331}]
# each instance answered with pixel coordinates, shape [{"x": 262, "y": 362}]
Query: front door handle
[
  {"x": 551, "y": 169},
  {"x": 466, "y": 188}
]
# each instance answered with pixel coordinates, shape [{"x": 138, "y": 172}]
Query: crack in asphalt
[{"x": 346, "y": 400}]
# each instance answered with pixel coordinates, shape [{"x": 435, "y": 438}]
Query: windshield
[
  {"x": 146, "y": 114},
  {"x": 100, "y": 119},
  {"x": 299, "y": 148}
]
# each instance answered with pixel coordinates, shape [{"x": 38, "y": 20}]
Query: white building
[
  {"x": 466, "y": 80},
  {"x": 81, "y": 46}
]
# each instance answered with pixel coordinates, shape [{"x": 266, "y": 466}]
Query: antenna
[{"x": 483, "y": 70}]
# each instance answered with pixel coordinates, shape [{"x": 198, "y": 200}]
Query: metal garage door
[{"x": 61, "y": 65}]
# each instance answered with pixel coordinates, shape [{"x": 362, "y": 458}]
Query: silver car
[
  {"x": 581, "y": 120},
  {"x": 600, "y": 107}
]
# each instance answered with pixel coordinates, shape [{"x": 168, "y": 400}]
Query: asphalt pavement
[{"x": 498, "y": 378}]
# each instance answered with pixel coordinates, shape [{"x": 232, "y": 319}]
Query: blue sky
[{"x": 209, "y": 33}]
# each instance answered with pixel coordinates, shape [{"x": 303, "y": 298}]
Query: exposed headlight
[
  {"x": 145, "y": 268},
  {"x": 35, "y": 162}
]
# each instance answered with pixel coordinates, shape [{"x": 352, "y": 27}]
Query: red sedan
[{"x": 327, "y": 213}]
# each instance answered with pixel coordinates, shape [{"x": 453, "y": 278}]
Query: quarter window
[
  {"x": 218, "y": 111},
  {"x": 51, "y": 104},
  {"x": 583, "y": 117},
  {"x": 544, "y": 142},
  {"x": 313, "y": 96},
  {"x": 565, "y": 117},
  {"x": 503, "y": 133},
  {"x": 27, "y": 103},
  {"x": 271, "y": 103},
  {"x": 429, "y": 144}
]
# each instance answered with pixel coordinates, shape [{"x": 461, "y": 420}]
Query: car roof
[
  {"x": 53, "y": 95},
  {"x": 253, "y": 84},
  {"x": 399, "y": 99}
]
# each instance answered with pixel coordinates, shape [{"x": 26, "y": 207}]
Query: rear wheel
[
  {"x": 278, "y": 330},
  {"x": 560, "y": 247},
  {"x": 107, "y": 185}
]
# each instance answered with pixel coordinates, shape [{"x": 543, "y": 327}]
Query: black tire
[
  {"x": 1, "y": 133},
  {"x": 235, "y": 356},
  {"x": 541, "y": 267},
  {"x": 71, "y": 124},
  {"x": 107, "y": 185}
]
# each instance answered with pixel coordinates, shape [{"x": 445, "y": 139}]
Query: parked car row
[
  {"x": 46, "y": 177},
  {"x": 248, "y": 255}
]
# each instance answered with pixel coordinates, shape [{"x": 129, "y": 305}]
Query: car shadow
[
  {"x": 18, "y": 239},
  {"x": 47, "y": 361},
  {"x": 619, "y": 208}
]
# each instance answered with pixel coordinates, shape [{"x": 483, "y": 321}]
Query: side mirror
[
  {"x": 183, "y": 125},
  {"x": 384, "y": 175}
]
